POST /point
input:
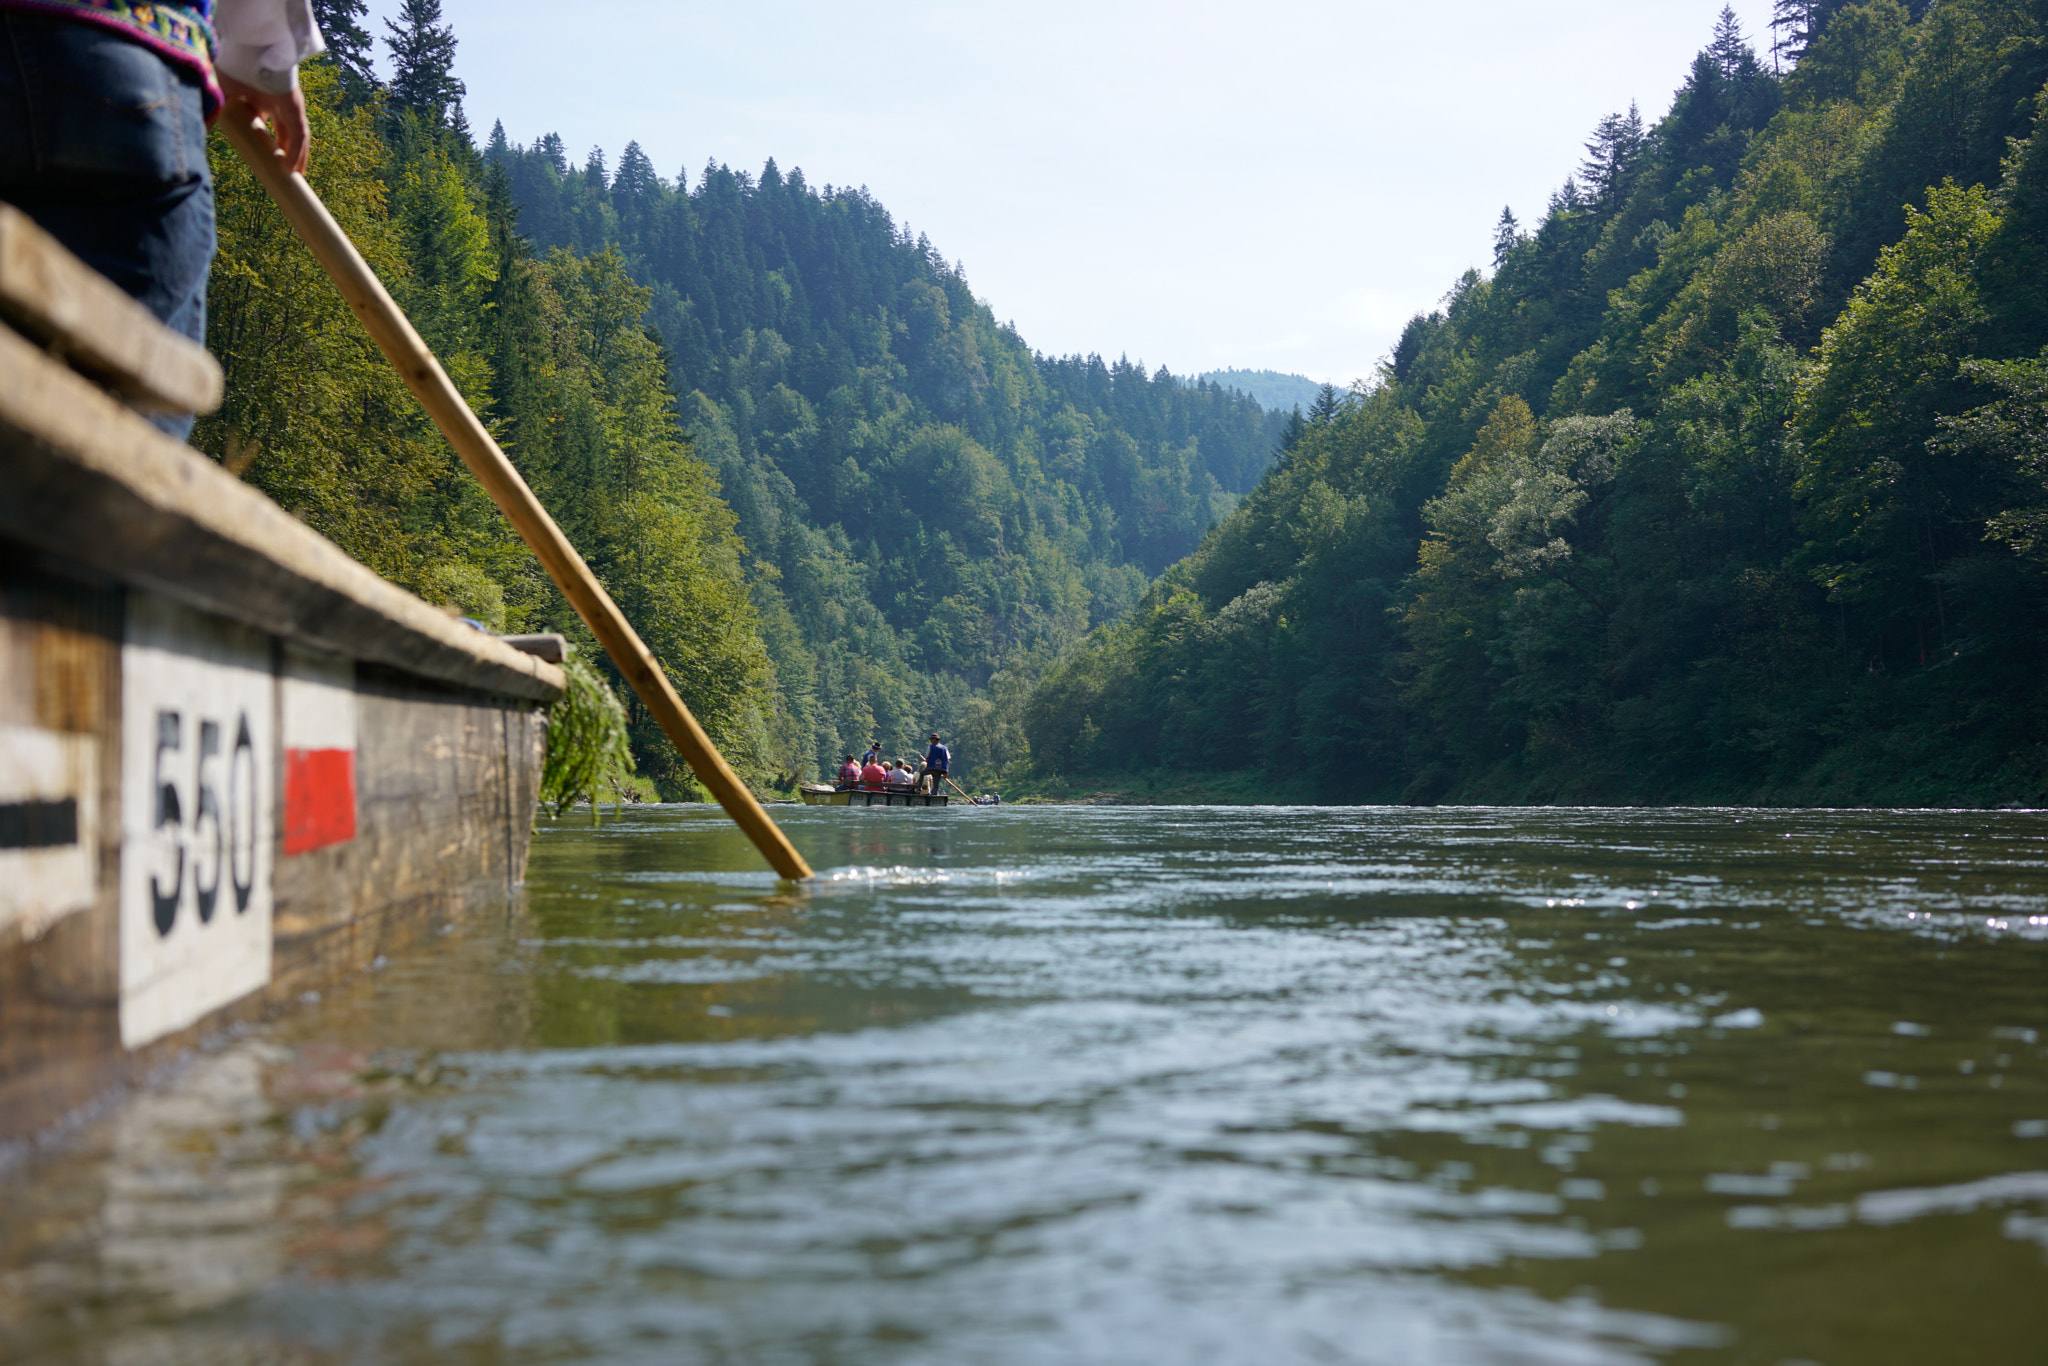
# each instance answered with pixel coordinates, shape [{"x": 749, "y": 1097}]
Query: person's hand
[{"x": 286, "y": 114}]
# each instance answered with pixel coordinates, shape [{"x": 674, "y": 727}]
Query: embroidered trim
[{"x": 178, "y": 33}]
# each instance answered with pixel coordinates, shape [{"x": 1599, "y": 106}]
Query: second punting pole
[{"x": 401, "y": 345}]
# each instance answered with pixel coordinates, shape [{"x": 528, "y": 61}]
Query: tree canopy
[
  {"x": 1724, "y": 485},
  {"x": 839, "y": 498}
]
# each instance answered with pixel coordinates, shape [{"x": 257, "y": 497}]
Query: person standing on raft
[
  {"x": 937, "y": 762},
  {"x": 104, "y": 107}
]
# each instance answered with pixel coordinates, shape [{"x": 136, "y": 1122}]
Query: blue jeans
[{"x": 103, "y": 143}]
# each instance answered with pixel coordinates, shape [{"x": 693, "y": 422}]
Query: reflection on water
[{"x": 1120, "y": 1085}]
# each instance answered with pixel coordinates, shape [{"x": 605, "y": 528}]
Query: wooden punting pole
[{"x": 423, "y": 374}]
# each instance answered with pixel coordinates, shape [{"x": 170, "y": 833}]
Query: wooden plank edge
[
  {"x": 59, "y": 300},
  {"x": 91, "y": 482}
]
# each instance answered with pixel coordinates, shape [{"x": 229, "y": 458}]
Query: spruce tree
[
  {"x": 1612, "y": 157},
  {"x": 1507, "y": 234},
  {"x": 636, "y": 178},
  {"x": 423, "y": 64},
  {"x": 1329, "y": 402},
  {"x": 1731, "y": 51},
  {"x": 1291, "y": 435},
  {"x": 348, "y": 45},
  {"x": 550, "y": 149}
]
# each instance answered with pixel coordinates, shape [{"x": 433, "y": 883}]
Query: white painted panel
[
  {"x": 319, "y": 710},
  {"x": 319, "y": 701},
  {"x": 39, "y": 885},
  {"x": 198, "y": 810}
]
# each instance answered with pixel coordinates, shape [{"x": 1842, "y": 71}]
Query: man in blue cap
[{"x": 937, "y": 761}]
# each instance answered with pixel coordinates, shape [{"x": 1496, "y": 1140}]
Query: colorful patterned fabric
[{"x": 182, "y": 34}]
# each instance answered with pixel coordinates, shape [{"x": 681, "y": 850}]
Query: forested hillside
[
  {"x": 838, "y": 497},
  {"x": 930, "y": 510},
  {"x": 1271, "y": 388},
  {"x": 1725, "y": 483}
]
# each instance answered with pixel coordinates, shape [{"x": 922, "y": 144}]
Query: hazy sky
[{"x": 1199, "y": 185}]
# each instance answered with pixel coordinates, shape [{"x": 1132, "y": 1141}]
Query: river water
[{"x": 1118, "y": 1085}]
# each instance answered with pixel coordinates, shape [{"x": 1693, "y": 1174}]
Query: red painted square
[{"x": 319, "y": 798}]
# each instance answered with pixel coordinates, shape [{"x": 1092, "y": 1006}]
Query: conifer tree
[
  {"x": 1567, "y": 198},
  {"x": 1292, "y": 433},
  {"x": 1613, "y": 156},
  {"x": 1796, "y": 23},
  {"x": 423, "y": 63},
  {"x": 636, "y": 178},
  {"x": 1507, "y": 234},
  {"x": 1329, "y": 402},
  {"x": 348, "y": 45},
  {"x": 551, "y": 150},
  {"x": 1731, "y": 51}
]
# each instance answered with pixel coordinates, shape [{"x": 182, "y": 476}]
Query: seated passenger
[
  {"x": 872, "y": 778},
  {"x": 900, "y": 776},
  {"x": 849, "y": 774}
]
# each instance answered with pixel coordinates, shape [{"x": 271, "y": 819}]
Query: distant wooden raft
[{"x": 234, "y": 763}]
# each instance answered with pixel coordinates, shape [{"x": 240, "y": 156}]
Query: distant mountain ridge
[{"x": 1273, "y": 390}]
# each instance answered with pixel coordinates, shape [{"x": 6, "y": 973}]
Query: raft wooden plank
[
  {"x": 443, "y": 816},
  {"x": 57, "y": 299},
  {"x": 90, "y": 481},
  {"x": 60, "y": 672},
  {"x": 448, "y": 785}
]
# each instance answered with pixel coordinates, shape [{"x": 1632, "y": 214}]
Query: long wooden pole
[{"x": 394, "y": 335}]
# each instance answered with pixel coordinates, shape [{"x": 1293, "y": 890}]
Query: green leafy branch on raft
[{"x": 587, "y": 744}]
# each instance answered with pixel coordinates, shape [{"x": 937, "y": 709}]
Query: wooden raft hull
[
  {"x": 815, "y": 798},
  {"x": 234, "y": 763}
]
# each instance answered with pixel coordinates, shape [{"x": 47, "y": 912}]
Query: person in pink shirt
[{"x": 874, "y": 778}]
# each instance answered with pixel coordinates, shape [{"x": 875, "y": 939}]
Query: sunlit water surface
[{"x": 1118, "y": 1085}]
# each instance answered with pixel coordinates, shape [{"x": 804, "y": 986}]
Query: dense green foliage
[
  {"x": 837, "y": 497},
  {"x": 1726, "y": 484},
  {"x": 589, "y": 750},
  {"x": 552, "y": 350},
  {"x": 933, "y": 513}
]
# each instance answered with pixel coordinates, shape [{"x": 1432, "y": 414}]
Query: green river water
[{"x": 1117, "y": 1085}]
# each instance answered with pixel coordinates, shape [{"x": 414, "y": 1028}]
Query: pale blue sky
[{"x": 1194, "y": 184}]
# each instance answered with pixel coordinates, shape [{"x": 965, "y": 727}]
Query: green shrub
[{"x": 587, "y": 746}]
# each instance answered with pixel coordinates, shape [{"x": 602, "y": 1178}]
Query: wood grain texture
[
  {"x": 99, "y": 509},
  {"x": 88, "y": 480},
  {"x": 54, "y": 297},
  {"x": 449, "y": 778},
  {"x": 60, "y": 668}
]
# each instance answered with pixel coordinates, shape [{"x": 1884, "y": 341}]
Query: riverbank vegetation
[
  {"x": 1724, "y": 483},
  {"x": 839, "y": 498}
]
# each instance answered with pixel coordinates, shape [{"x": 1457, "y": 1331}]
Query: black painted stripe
[{"x": 38, "y": 824}]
